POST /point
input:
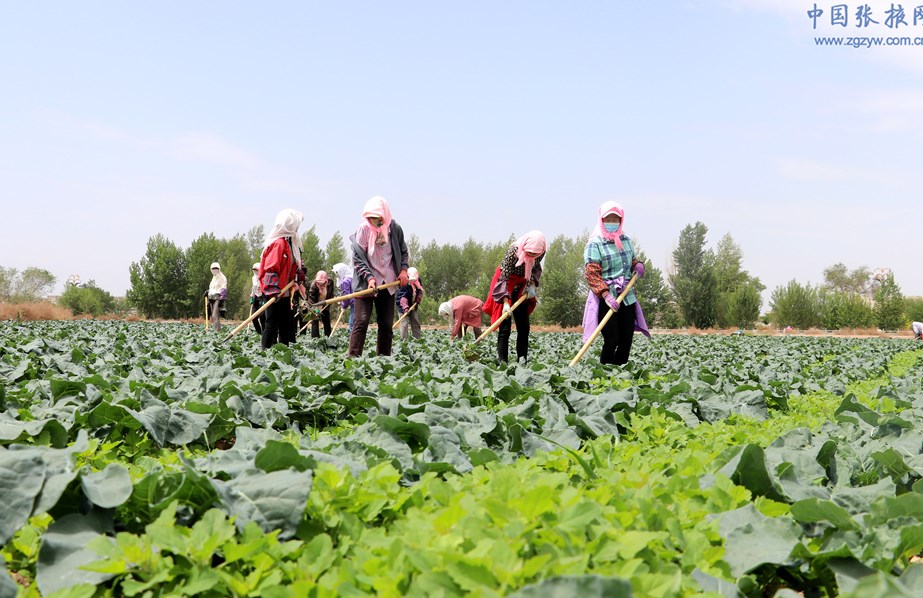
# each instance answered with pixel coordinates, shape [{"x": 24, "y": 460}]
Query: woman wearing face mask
[
  {"x": 609, "y": 263},
  {"x": 407, "y": 297},
  {"x": 379, "y": 257},
  {"x": 279, "y": 265},
  {"x": 519, "y": 272},
  {"x": 345, "y": 284}
]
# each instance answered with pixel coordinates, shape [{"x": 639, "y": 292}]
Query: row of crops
[{"x": 142, "y": 459}]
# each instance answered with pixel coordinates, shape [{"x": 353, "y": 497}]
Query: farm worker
[
  {"x": 519, "y": 272},
  {"x": 408, "y": 296},
  {"x": 465, "y": 312},
  {"x": 321, "y": 290},
  {"x": 917, "y": 328},
  {"x": 256, "y": 300},
  {"x": 610, "y": 260},
  {"x": 345, "y": 284},
  {"x": 217, "y": 293},
  {"x": 279, "y": 266},
  {"x": 379, "y": 257}
]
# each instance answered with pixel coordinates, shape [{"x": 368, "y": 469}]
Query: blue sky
[{"x": 124, "y": 120}]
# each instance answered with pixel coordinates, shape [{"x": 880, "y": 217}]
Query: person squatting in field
[
  {"x": 279, "y": 266},
  {"x": 465, "y": 311},
  {"x": 519, "y": 272},
  {"x": 408, "y": 300},
  {"x": 917, "y": 328},
  {"x": 321, "y": 290},
  {"x": 256, "y": 300},
  {"x": 610, "y": 259},
  {"x": 217, "y": 293},
  {"x": 379, "y": 257},
  {"x": 345, "y": 284}
]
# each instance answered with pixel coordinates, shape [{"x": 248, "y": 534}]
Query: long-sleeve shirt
[
  {"x": 605, "y": 262},
  {"x": 277, "y": 267},
  {"x": 366, "y": 267},
  {"x": 508, "y": 269},
  {"x": 466, "y": 310},
  {"x": 412, "y": 292}
]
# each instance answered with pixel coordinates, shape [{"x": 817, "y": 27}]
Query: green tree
[
  {"x": 256, "y": 236},
  {"x": 694, "y": 282},
  {"x": 311, "y": 253},
  {"x": 795, "y": 305},
  {"x": 839, "y": 278},
  {"x": 158, "y": 281},
  {"x": 7, "y": 283},
  {"x": 563, "y": 287},
  {"x": 87, "y": 299},
  {"x": 841, "y": 309},
  {"x": 653, "y": 293},
  {"x": 33, "y": 284},
  {"x": 335, "y": 252},
  {"x": 889, "y": 305},
  {"x": 913, "y": 308},
  {"x": 742, "y": 307}
]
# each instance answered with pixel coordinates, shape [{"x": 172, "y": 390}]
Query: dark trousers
[
  {"x": 259, "y": 321},
  {"x": 280, "y": 325},
  {"x": 384, "y": 312},
  {"x": 521, "y": 316},
  {"x": 315, "y": 324},
  {"x": 617, "y": 334}
]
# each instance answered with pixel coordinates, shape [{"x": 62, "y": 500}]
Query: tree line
[{"x": 701, "y": 285}]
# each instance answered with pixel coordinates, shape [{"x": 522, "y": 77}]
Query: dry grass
[{"x": 41, "y": 310}]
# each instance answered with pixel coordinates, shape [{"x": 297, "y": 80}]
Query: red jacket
[{"x": 277, "y": 267}]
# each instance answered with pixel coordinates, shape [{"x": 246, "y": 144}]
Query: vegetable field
[{"x": 141, "y": 459}]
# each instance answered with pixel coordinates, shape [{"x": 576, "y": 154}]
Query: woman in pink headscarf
[
  {"x": 379, "y": 257},
  {"x": 610, "y": 261},
  {"x": 408, "y": 297},
  {"x": 519, "y": 272},
  {"x": 321, "y": 290}
]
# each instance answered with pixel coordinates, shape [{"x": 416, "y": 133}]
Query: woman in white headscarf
[
  {"x": 217, "y": 294},
  {"x": 280, "y": 264},
  {"x": 379, "y": 257},
  {"x": 256, "y": 300},
  {"x": 464, "y": 311}
]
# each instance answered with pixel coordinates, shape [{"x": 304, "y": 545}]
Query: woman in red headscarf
[
  {"x": 379, "y": 257},
  {"x": 519, "y": 272},
  {"x": 321, "y": 290},
  {"x": 610, "y": 262}
]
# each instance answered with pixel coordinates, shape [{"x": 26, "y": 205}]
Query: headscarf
[
  {"x": 343, "y": 272},
  {"x": 533, "y": 242},
  {"x": 413, "y": 273},
  {"x": 377, "y": 206},
  {"x": 321, "y": 281},
  {"x": 256, "y": 279},
  {"x": 219, "y": 281},
  {"x": 286, "y": 225},
  {"x": 446, "y": 308},
  {"x": 610, "y": 207}
]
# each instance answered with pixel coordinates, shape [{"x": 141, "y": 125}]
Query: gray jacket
[{"x": 363, "y": 269}]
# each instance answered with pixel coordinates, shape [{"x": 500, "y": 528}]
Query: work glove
[
  {"x": 251, "y": 299},
  {"x": 506, "y": 308},
  {"x": 638, "y": 268},
  {"x": 530, "y": 291},
  {"x": 300, "y": 275},
  {"x": 403, "y": 278},
  {"x": 373, "y": 284},
  {"x": 206, "y": 294},
  {"x": 223, "y": 294},
  {"x": 404, "y": 304},
  {"x": 611, "y": 301}
]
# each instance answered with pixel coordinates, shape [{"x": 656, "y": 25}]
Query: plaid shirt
[{"x": 613, "y": 263}]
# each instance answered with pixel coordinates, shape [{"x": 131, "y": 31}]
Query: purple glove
[
  {"x": 611, "y": 301},
  {"x": 224, "y": 294},
  {"x": 639, "y": 269},
  {"x": 404, "y": 304}
]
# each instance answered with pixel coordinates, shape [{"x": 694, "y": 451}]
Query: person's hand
[
  {"x": 300, "y": 275},
  {"x": 251, "y": 299},
  {"x": 506, "y": 307},
  {"x": 530, "y": 291},
  {"x": 206, "y": 294},
  {"x": 638, "y": 268},
  {"x": 611, "y": 301},
  {"x": 301, "y": 291},
  {"x": 403, "y": 278},
  {"x": 404, "y": 304},
  {"x": 373, "y": 284}
]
